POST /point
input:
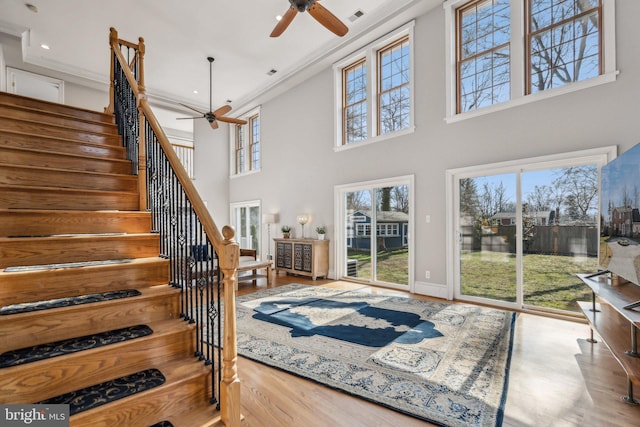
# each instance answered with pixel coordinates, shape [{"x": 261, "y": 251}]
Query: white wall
[{"x": 300, "y": 167}]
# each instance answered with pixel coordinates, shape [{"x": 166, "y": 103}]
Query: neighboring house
[
  {"x": 625, "y": 221},
  {"x": 391, "y": 227},
  {"x": 509, "y": 218}
]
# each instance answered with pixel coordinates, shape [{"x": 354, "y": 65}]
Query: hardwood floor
[{"x": 557, "y": 378}]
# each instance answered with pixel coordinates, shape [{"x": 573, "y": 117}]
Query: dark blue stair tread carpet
[
  {"x": 69, "y": 301},
  {"x": 60, "y": 348},
  {"x": 107, "y": 392},
  {"x": 163, "y": 424}
]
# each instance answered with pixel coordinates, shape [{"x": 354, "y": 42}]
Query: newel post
[
  {"x": 113, "y": 40},
  {"x": 230, "y": 387}
]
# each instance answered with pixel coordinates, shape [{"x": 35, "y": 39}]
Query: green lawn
[
  {"x": 549, "y": 281},
  {"x": 393, "y": 266}
]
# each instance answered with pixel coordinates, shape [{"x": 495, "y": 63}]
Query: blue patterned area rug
[{"x": 444, "y": 363}]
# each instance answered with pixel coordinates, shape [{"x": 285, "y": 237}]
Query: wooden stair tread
[
  {"x": 44, "y": 222},
  {"x": 12, "y": 137},
  {"x": 50, "y": 113},
  {"x": 182, "y": 391},
  {"x": 52, "y": 118},
  {"x": 26, "y": 175},
  {"x": 170, "y": 340},
  {"x": 155, "y": 303},
  {"x": 26, "y": 286},
  {"x": 21, "y": 100},
  {"x": 36, "y": 251},
  {"x": 70, "y": 158},
  {"x": 38, "y": 128}
]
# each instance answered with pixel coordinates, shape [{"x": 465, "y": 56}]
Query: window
[
  {"x": 240, "y": 150},
  {"x": 506, "y": 53},
  {"x": 388, "y": 229},
  {"x": 246, "y": 143},
  {"x": 254, "y": 141},
  {"x": 354, "y": 107},
  {"x": 394, "y": 95},
  {"x": 563, "y": 42},
  {"x": 483, "y": 54},
  {"x": 375, "y": 90}
]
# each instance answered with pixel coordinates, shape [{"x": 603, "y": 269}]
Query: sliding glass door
[
  {"x": 487, "y": 222},
  {"x": 523, "y": 231},
  {"x": 376, "y": 222}
]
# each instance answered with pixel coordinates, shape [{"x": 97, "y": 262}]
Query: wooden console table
[
  {"x": 614, "y": 323},
  {"x": 307, "y": 257}
]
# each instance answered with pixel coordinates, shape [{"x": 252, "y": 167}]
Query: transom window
[
  {"x": 563, "y": 42},
  {"x": 245, "y": 140},
  {"x": 254, "y": 141},
  {"x": 510, "y": 52},
  {"x": 394, "y": 95},
  {"x": 484, "y": 38},
  {"x": 354, "y": 105},
  {"x": 375, "y": 90}
]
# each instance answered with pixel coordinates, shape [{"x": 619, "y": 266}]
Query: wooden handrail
[{"x": 227, "y": 249}]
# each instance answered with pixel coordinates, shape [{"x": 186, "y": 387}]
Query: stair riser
[
  {"x": 64, "y": 323},
  {"x": 45, "y": 159},
  {"x": 50, "y": 250},
  {"x": 40, "y": 177},
  {"x": 19, "y": 113},
  {"x": 150, "y": 407},
  {"x": 22, "y": 287},
  {"x": 49, "y": 198},
  {"x": 16, "y": 223},
  {"x": 59, "y": 132},
  {"x": 44, "y": 379},
  {"x": 62, "y": 146},
  {"x": 11, "y": 99}
]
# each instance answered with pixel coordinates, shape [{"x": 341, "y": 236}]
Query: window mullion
[
  {"x": 372, "y": 98},
  {"x": 519, "y": 61}
]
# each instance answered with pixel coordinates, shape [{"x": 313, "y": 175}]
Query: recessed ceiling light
[
  {"x": 195, "y": 91},
  {"x": 228, "y": 101},
  {"x": 278, "y": 17},
  {"x": 45, "y": 46}
]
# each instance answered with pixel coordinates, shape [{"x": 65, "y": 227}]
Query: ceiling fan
[
  {"x": 213, "y": 116},
  {"x": 317, "y": 11}
]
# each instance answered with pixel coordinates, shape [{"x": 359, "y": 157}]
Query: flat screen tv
[{"x": 620, "y": 217}]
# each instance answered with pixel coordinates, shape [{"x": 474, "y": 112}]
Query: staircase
[{"x": 84, "y": 295}]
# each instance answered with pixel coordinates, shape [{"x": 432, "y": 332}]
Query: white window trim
[
  {"x": 232, "y": 146},
  {"x": 517, "y": 61},
  {"x": 370, "y": 52}
]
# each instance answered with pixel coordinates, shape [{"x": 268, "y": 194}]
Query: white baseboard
[{"x": 431, "y": 289}]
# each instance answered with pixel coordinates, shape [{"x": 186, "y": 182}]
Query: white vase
[{"x": 320, "y": 236}]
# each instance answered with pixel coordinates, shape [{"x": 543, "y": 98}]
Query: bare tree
[{"x": 578, "y": 187}]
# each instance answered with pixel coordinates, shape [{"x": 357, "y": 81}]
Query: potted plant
[
  {"x": 321, "y": 230},
  {"x": 286, "y": 231}
]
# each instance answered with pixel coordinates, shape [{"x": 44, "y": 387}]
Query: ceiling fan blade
[
  {"x": 284, "y": 22},
  {"x": 328, "y": 19},
  {"x": 222, "y": 110},
  {"x": 231, "y": 120},
  {"x": 214, "y": 124},
  {"x": 188, "y": 118},
  {"x": 191, "y": 108}
]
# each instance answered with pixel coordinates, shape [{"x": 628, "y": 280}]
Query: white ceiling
[{"x": 180, "y": 34}]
